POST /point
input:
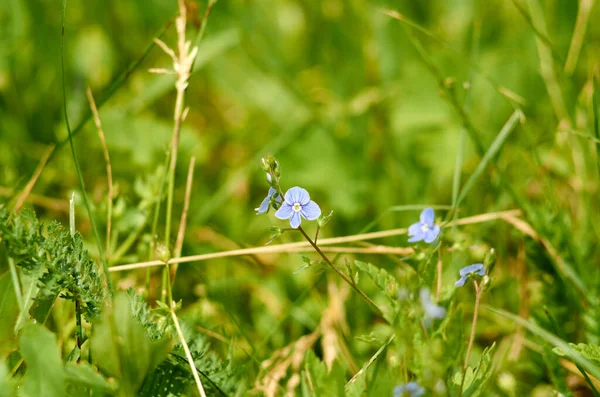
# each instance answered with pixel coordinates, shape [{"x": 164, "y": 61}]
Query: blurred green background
[{"x": 339, "y": 93}]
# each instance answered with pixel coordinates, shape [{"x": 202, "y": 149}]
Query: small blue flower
[
  {"x": 411, "y": 389},
  {"x": 468, "y": 271},
  {"x": 425, "y": 229},
  {"x": 432, "y": 311},
  {"x": 298, "y": 203},
  {"x": 266, "y": 203}
]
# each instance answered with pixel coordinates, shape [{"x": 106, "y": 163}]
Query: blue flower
[
  {"x": 468, "y": 271},
  {"x": 266, "y": 203},
  {"x": 298, "y": 203},
  {"x": 411, "y": 389},
  {"x": 432, "y": 311},
  {"x": 425, "y": 229}
]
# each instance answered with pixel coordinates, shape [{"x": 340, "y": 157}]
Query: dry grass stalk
[
  {"x": 183, "y": 222},
  {"x": 34, "y": 178},
  {"x": 333, "y": 321},
  {"x": 274, "y": 369},
  {"x": 108, "y": 168},
  {"x": 302, "y": 245},
  {"x": 183, "y": 61},
  {"x": 36, "y": 199}
]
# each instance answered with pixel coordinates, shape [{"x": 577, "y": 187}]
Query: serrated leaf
[
  {"x": 371, "y": 339},
  {"x": 591, "y": 352},
  {"x": 384, "y": 281},
  {"x": 386, "y": 284},
  {"x": 45, "y": 376},
  {"x": 316, "y": 375}
]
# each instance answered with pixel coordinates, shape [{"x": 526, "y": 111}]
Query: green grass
[{"x": 378, "y": 109}]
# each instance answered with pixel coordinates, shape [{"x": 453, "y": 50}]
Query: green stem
[
  {"x": 339, "y": 272},
  {"x": 79, "y": 329}
]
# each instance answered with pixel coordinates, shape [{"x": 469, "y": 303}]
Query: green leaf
[
  {"x": 316, "y": 379},
  {"x": 386, "y": 284},
  {"x": 45, "y": 376},
  {"x": 84, "y": 375},
  {"x": 591, "y": 352},
  {"x": 475, "y": 378},
  {"x": 9, "y": 311},
  {"x": 490, "y": 154},
  {"x": 357, "y": 385},
  {"x": 8, "y": 387},
  {"x": 123, "y": 349}
]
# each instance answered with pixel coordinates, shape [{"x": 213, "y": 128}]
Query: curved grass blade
[
  {"x": 77, "y": 168},
  {"x": 552, "y": 339},
  {"x": 490, "y": 154}
]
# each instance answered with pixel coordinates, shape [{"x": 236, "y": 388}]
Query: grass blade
[
  {"x": 490, "y": 154},
  {"x": 550, "y": 339}
]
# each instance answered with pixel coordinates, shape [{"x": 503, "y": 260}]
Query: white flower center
[
  {"x": 424, "y": 227},
  {"x": 296, "y": 207}
]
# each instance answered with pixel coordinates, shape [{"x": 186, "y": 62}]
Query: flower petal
[
  {"x": 311, "y": 211},
  {"x": 297, "y": 195},
  {"x": 428, "y": 216},
  {"x": 285, "y": 212},
  {"x": 418, "y": 236},
  {"x": 295, "y": 220},
  {"x": 264, "y": 206},
  {"x": 461, "y": 281},
  {"x": 434, "y": 311},
  {"x": 414, "y": 229},
  {"x": 431, "y": 234},
  {"x": 477, "y": 268},
  {"x": 480, "y": 269}
]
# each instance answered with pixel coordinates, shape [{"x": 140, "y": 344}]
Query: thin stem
[
  {"x": 478, "y": 290},
  {"x": 79, "y": 329},
  {"x": 339, "y": 272},
  {"x": 188, "y": 354},
  {"x": 79, "y": 326},
  {"x": 438, "y": 288},
  {"x": 159, "y": 197}
]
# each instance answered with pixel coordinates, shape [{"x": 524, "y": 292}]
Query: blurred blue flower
[
  {"x": 297, "y": 203},
  {"x": 468, "y": 271},
  {"x": 432, "y": 311},
  {"x": 425, "y": 229},
  {"x": 266, "y": 203},
  {"x": 411, "y": 389}
]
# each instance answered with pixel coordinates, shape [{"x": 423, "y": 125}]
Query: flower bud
[
  {"x": 162, "y": 253},
  {"x": 489, "y": 260},
  {"x": 265, "y": 164}
]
